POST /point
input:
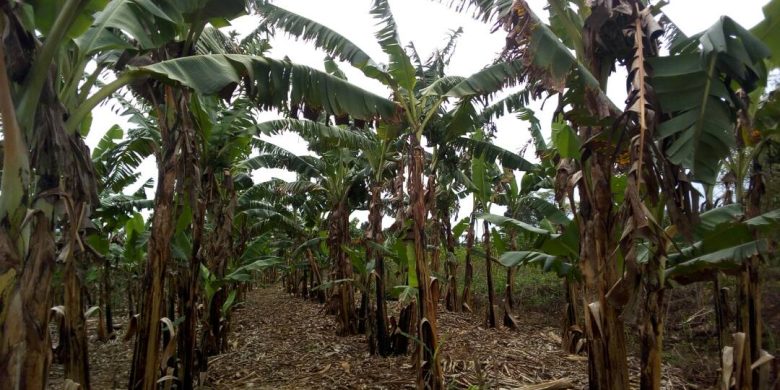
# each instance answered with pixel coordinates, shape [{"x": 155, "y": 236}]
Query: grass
[{"x": 534, "y": 289}]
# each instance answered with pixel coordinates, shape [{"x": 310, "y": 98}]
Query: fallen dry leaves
[
  {"x": 290, "y": 343},
  {"x": 283, "y": 342}
]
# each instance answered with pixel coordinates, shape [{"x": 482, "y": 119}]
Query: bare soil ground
[{"x": 283, "y": 342}]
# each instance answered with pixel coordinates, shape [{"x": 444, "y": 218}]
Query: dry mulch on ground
[
  {"x": 283, "y": 342},
  {"x": 109, "y": 362}
]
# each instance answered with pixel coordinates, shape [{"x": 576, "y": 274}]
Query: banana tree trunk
[
  {"x": 398, "y": 196},
  {"x": 604, "y": 329},
  {"x": 170, "y": 312},
  {"x": 435, "y": 259},
  {"x": 188, "y": 301},
  {"x": 435, "y": 247},
  {"x": 26, "y": 272},
  {"x": 469, "y": 274},
  {"x": 363, "y": 310},
  {"x": 304, "y": 282},
  {"x": 145, "y": 368},
  {"x": 509, "y": 294},
  {"x": 451, "y": 267},
  {"x": 399, "y": 338},
  {"x": 131, "y": 308},
  {"x": 570, "y": 330},
  {"x": 370, "y": 317},
  {"x": 239, "y": 248},
  {"x": 310, "y": 279},
  {"x": 509, "y": 288},
  {"x": 745, "y": 377},
  {"x": 190, "y": 276},
  {"x": 749, "y": 323},
  {"x": 102, "y": 330},
  {"x": 316, "y": 275},
  {"x": 343, "y": 298},
  {"x": 509, "y": 291},
  {"x": 429, "y": 374},
  {"x": 750, "y": 303},
  {"x": 220, "y": 251},
  {"x": 25, "y": 288},
  {"x": 651, "y": 330},
  {"x": 106, "y": 316},
  {"x": 75, "y": 332},
  {"x": 720, "y": 307},
  {"x": 607, "y": 364},
  {"x": 375, "y": 221},
  {"x": 491, "y": 309},
  {"x": 760, "y": 376},
  {"x": 430, "y": 202},
  {"x": 13, "y": 259}
]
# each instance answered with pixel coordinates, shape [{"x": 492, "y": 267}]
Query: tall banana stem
[
  {"x": 16, "y": 164},
  {"x": 40, "y": 68}
]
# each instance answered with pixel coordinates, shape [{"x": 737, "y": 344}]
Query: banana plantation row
[{"x": 622, "y": 202}]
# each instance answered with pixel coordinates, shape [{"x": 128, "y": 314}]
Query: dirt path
[
  {"x": 283, "y": 342},
  {"x": 288, "y": 343}
]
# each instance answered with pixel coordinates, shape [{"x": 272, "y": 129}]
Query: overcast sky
[{"x": 426, "y": 24}]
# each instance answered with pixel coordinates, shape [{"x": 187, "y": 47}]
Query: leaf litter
[{"x": 282, "y": 342}]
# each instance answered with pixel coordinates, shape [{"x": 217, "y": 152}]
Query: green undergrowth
[{"x": 534, "y": 289}]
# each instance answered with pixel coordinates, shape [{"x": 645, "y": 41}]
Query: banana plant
[
  {"x": 483, "y": 173},
  {"x": 73, "y": 33},
  {"x": 418, "y": 108},
  {"x": 763, "y": 31},
  {"x": 558, "y": 59},
  {"x": 37, "y": 149},
  {"x": 724, "y": 239},
  {"x": 213, "y": 284},
  {"x": 379, "y": 158},
  {"x": 224, "y": 139},
  {"x": 177, "y": 65},
  {"x": 338, "y": 180},
  {"x": 117, "y": 158},
  {"x": 185, "y": 70}
]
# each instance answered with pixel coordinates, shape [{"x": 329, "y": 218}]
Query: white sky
[{"x": 427, "y": 23}]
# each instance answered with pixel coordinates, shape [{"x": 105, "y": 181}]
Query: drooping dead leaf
[
  {"x": 131, "y": 328},
  {"x": 728, "y": 367},
  {"x": 92, "y": 310},
  {"x": 595, "y": 316},
  {"x": 58, "y": 310},
  {"x": 765, "y": 358},
  {"x": 168, "y": 379},
  {"x": 764, "y": 370},
  {"x": 170, "y": 348}
]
